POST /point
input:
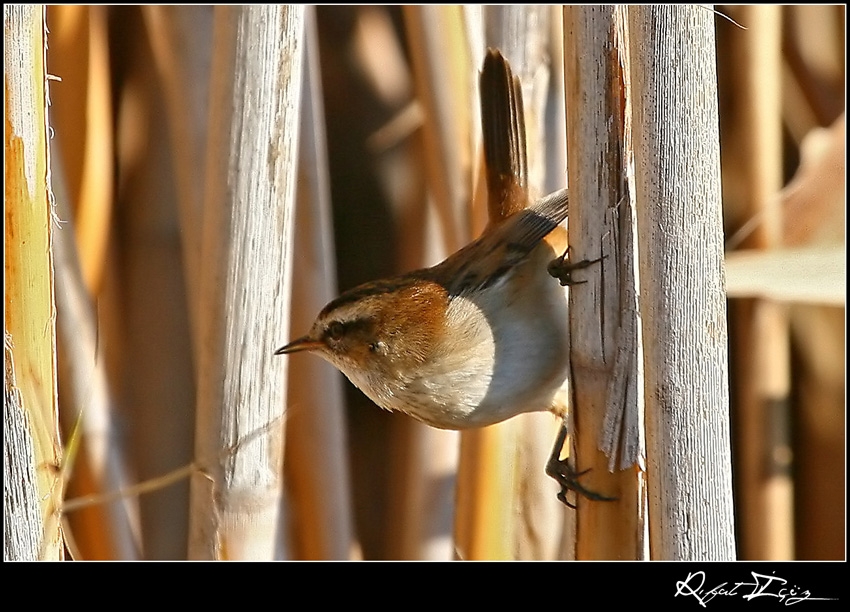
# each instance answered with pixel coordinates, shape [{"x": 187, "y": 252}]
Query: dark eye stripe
[{"x": 337, "y": 329}]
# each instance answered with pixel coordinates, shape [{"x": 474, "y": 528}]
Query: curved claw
[
  {"x": 562, "y": 268},
  {"x": 566, "y": 476}
]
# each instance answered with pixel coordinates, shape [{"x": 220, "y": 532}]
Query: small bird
[{"x": 482, "y": 336}]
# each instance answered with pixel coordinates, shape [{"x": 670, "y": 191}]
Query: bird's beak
[{"x": 305, "y": 343}]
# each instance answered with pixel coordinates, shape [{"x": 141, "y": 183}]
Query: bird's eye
[{"x": 335, "y": 330}]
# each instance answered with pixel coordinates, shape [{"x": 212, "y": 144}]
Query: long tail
[{"x": 503, "y": 131}]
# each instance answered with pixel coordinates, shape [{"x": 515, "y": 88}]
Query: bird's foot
[
  {"x": 566, "y": 476},
  {"x": 562, "y": 268}
]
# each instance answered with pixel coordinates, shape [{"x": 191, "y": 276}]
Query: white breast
[{"x": 508, "y": 355}]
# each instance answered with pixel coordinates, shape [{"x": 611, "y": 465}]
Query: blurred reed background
[{"x": 386, "y": 174}]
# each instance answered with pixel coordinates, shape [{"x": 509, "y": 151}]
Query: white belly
[{"x": 499, "y": 366}]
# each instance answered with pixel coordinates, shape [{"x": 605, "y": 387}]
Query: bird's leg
[
  {"x": 565, "y": 474},
  {"x": 562, "y": 268}
]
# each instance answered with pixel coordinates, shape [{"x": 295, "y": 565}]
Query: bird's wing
[{"x": 487, "y": 259}]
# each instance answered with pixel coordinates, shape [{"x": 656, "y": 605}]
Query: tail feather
[{"x": 503, "y": 130}]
